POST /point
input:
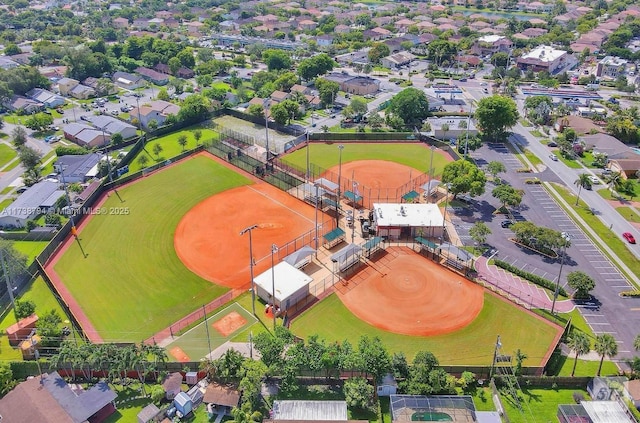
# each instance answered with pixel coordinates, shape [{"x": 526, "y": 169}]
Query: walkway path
[{"x": 527, "y": 293}]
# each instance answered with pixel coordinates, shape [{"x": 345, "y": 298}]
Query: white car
[
  {"x": 553, "y": 157},
  {"x": 594, "y": 180}
]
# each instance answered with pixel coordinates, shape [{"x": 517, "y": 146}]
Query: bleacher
[
  {"x": 456, "y": 264},
  {"x": 333, "y": 238}
]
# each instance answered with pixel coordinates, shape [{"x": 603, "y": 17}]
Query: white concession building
[
  {"x": 397, "y": 220},
  {"x": 290, "y": 284}
]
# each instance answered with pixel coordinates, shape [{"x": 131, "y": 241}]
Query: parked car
[
  {"x": 552, "y": 144},
  {"x": 553, "y": 157},
  {"x": 629, "y": 237},
  {"x": 506, "y": 223},
  {"x": 21, "y": 190}
]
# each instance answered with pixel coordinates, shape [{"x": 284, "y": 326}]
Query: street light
[
  {"x": 317, "y": 201},
  {"x": 567, "y": 238},
  {"x": 308, "y": 173},
  {"x": 444, "y": 216},
  {"x": 432, "y": 148},
  {"x": 265, "y": 105},
  {"x": 466, "y": 143},
  {"x": 274, "y": 249},
  {"x": 74, "y": 231},
  {"x": 340, "y": 148},
  {"x": 253, "y": 290}
]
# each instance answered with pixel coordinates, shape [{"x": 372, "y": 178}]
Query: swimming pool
[
  {"x": 431, "y": 416},
  {"x": 636, "y": 150}
]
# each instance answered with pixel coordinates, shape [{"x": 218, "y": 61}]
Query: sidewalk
[{"x": 528, "y": 294}]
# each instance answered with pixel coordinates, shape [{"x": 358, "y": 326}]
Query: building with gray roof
[
  {"x": 78, "y": 168},
  {"x": 111, "y": 125},
  {"x": 37, "y": 199}
]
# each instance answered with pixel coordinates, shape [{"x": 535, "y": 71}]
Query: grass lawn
[
  {"x": 50, "y": 160},
  {"x": 326, "y": 155},
  {"x": 628, "y": 214},
  {"x": 5, "y": 203},
  {"x": 38, "y": 292},
  {"x": 572, "y": 163},
  {"x": 539, "y": 405},
  {"x": 472, "y": 345},
  {"x": 603, "y": 232},
  {"x": 131, "y": 259},
  {"x": 30, "y": 248},
  {"x": 170, "y": 146},
  {"x": 11, "y": 165},
  {"x": 532, "y": 158},
  {"x": 7, "y": 190},
  {"x": 537, "y": 133},
  {"x": 6, "y": 154}
]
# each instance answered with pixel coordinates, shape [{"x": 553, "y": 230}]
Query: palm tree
[
  {"x": 605, "y": 345},
  {"x": 636, "y": 343},
  {"x": 581, "y": 345},
  {"x": 444, "y": 128},
  {"x": 614, "y": 179},
  {"x": 583, "y": 181}
]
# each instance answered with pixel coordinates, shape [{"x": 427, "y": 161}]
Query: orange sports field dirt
[
  {"x": 405, "y": 293},
  {"x": 229, "y": 323},
  {"x": 180, "y": 355},
  {"x": 208, "y": 239}
]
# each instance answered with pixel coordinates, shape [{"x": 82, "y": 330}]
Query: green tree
[
  {"x": 277, "y": 59},
  {"x": 579, "y": 343},
  {"x": 24, "y": 309},
  {"x": 495, "y": 115},
  {"x": 636, "y": 343},
  {"x": 583, "y": 181},
  {"x": 116, "y": 139},
  {"x": 197, "y": 135},
  {"x": 358, "y": 106},
  {"x": 328, "y": 90},
  {"x": 495, "y": 168},
  {"x": 163, "y": 95},
  {"x": 358, "y": 393},
  {"x": 479, "y": 232},
  {"x": 38, "y": 121},
  {"x": 375, "y": 121},
  {"x": 411, "y": 105},
  {"x": 377, "y": 52},
  {"x": 464, "y": 177},
  {"x": 6, "y": 378},
  {"x": 500, "y": 59},
  {"x": 48, "y": 328},
  {"x": 315, "y": 66},
  {"x": 279, "y": 114},
  {"x": 157, "y": 149},
  {"x": 376, "y": 358},
  {"x": 508, "y": 195},
  {"x": 194, "y": 108},
  {"x": 581, "y": 283},
  {"x": 19, "y": 135},
  {"x": 30, "y": 159},
  {"x": 444, "y": 128},
  {"x": 605, "y": 345},
  {"x": 182, "y": 141},
  {"x": 143, "y": 160},
  {"x": 252, "y": 374}
]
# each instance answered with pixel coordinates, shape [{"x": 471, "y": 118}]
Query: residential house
[
  {"x": 22, "y": 58},
  {"x": 403, "y": 25},
  {"x": 185, "y": 73},
  {"x": 37, "y": 199},
  {"x": 543, "y": 58},
  {"x": 111, "y": 125},
  {"x": 156, "y": 110},
  {"x": 85, "y": 135},
  {"x": 534, "y": 32},
  {"x": 82, "y": 92},
  {"x": 490, "y": 44},
  {"x": 324, "y": 40},
  {"x": 302, "y": 89},
  {"x": 172, "y": 385},
  {"x": 46, "y": 97},
  {"x": 279, "y": 96},
  {"x": 65, "y": 85},
  {"x": 360, "y": 57},
  {"x": 121, "y": 23},
  {"x": 376, "y": 34},
  {"x": 7, "y": 63},
  {"x": 361, "y": 85},
  {"x": 611, "y": 67},
  {"x": 77, "y": 168},
  {"x": 194, "y": 28},
  {"x": 140, "y": 23},
  {"x": 128, "y": 81},
  {"x": 222, "y": 397},
  {"x": 398, "y": 60},
  {"x": 153, "y": 76},
  {"x": 632, "y": 391},
  {"x": 96, "y": 84},
  {"x": 307, "y": 25},
  {"x": 26, "y": 105},
  {"x": 342, "y": 29},
  {"x": 47, "y": 398},
  {"x": 581, "y": 125}
]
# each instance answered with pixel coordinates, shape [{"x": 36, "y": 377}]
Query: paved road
[{"x": 608, "y": 313}]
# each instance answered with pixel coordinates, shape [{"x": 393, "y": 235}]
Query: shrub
[
  {"x": 70, "y": 151},
  {"x": 634, "y": 293},
  {"x": 538, "y": 280}
]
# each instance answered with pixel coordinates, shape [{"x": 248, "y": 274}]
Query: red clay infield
[
  {"x": 405, "y": 293},
  {"x": 229, "y": 323},
  {"x": 208, "y": 240}
]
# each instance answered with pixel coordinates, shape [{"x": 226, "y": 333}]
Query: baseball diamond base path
[
  {"x": 208, "y": 239},
  {"x": 402, "y": 292}
]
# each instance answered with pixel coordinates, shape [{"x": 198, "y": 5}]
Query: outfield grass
[
  {"x": 6, "y": 154},
  {"x": 326, "y": 155},
  {"x": 473, "y": 345},
  {"x": 132, "y": 284},
  {"x": 170, "y": 146},
  {"x": 38, "y": 292},
  {"x": 30, "y": 248},
  {"x": 539, "y": 405},
  {"x": 613, "y": 241}
]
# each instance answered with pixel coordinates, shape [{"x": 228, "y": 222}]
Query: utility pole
[
  {"x": 495, "y": 356},
  {"x": 74, "y": 230},
  {"x": 7, "y": 280},
  {"x": 206, "y": 325}
]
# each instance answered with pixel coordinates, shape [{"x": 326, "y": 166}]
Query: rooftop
[
  {"x": 544, "y": 54},
  {"x": 407, "y": 215},
  {"x": 310, "y": 410},
  {"x": 288, "y": 280}
]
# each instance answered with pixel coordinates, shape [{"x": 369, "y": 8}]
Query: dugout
[
  {"x": 398, "y": 220},
  {"x": 346, "y": 257},
  {"x": 291, "y": 285}
]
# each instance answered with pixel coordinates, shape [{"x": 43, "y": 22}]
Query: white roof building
[
  {"x": 543, "y": 58},
  {"x": 291, "y": 285},
  {"x": 408, "y": 215},
  {"x": 310, "y": 410}
]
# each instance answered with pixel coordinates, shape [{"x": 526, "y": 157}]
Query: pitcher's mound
[
  {"x": 229, "y": 323},
  {"x": 411, "y": 295}
]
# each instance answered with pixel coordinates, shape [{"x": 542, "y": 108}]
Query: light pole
[
  {"x": 466, "y": 143},
  {"x": 432, "y": 147},
  {"x": 566, "y": 238},
  {"x": 317, "y": 201},
  {"x": 274, "y": 249},
  {"x": 308, "y": 174},
  {"x": 340, "y": 148},
  {"x": 253, "y": 288},
  {"x": 265, "y": 106},
  {"x": 444, "y": 216},
  {"x": 74, "y": 231}
]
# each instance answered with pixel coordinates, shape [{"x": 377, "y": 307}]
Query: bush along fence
[{"x": 538, "y": 280}]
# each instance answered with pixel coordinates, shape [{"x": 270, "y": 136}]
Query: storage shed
[
  {"x": 183, "y": 404},
  {"x": 291, "y": 285},
  {"x": 22, "y": 329}
]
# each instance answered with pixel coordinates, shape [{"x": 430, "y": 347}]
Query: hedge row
[
  {"x": 538, "y": 280},
  {"x": 635, "y": 293}
]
